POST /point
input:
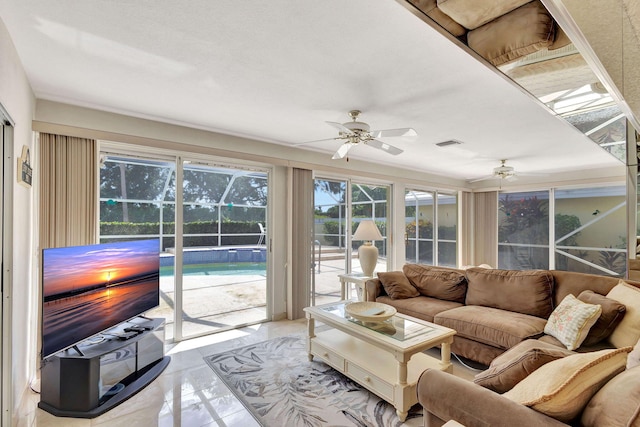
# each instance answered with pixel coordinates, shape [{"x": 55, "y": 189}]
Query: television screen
[{"x": 88, "y": 289}]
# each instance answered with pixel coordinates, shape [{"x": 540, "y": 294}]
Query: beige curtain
[
  {"x": 465, "y": 233},
  {"x": 68, "y": 191},
  {"x": 485, "y": 221},
  {"x": 302, "y": 225}
]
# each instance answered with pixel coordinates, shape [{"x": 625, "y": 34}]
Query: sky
[{"x": 75, "y": 267}]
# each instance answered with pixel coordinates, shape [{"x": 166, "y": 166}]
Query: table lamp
[{"x": 367, "y": 252}]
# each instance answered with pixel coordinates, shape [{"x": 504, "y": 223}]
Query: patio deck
[{"x": 218, "y": 302}]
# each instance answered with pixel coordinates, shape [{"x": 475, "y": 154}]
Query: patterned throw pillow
[{"x": 571, "y": 321}]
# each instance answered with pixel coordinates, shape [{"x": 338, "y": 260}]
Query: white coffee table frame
[{"x": 386, "y": 366}]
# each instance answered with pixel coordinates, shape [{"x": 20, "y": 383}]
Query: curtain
[
  {"x": 302, "y": 232},
  {"x": 465, "y": 233},
  {"x": 485, "y": 248},
  {"x": 68, "y": 191}
]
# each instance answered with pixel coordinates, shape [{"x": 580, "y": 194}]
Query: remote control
[{"x": 127, "y": 335}]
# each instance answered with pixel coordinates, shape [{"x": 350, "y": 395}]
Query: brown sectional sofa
[
  {"x": 500, "y": 309},
  {"x": 496, "y": 313}
]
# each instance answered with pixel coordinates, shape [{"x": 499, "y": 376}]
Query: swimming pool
[
  {"x": 217, "y": 255},
  {"x": 218, "y": 269}
]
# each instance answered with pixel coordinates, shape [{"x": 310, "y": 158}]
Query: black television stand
[{"x": 102, "y": 375}]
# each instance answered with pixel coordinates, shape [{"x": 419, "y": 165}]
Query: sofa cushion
[
  {"x": 517, "y": 363},
  {"x": 448, "y": 285},
  {"x": 492, "y": 326},
  {"x": 617, "y": 403},
  {"x": 627, "y": 332},
  {"x": 521, "y": 32},
  {"x": 421, "y": 307},
  {"x": 562, "y": 388},
  {"x": 473, "y": 13},
  {"x": 429, "y": 7},
  {"x": 571, "y": 321},
  {"x": 612, "y": 314},
  {"x": 396, "y": 285},
  {"x": 527, "y": 292}
]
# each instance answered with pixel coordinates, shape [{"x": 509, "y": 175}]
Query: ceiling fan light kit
[
  {"x": 501, "y": 172},
  {"x": 356, "y": 132}
]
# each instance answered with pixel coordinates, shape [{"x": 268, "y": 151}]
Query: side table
[{"x": 358, "y": 279}]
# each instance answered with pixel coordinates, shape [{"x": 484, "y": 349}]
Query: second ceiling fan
[
  {"x": 504, "y": 172},
  {"x": 356, "y": 132}
]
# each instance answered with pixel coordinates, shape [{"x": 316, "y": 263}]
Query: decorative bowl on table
[{"x": 369, "y": 311}]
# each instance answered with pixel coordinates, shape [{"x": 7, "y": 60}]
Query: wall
[{"x": 18, "y": 99}]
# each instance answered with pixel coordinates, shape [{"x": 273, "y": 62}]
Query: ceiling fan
[
  {"x": 356, "y": 132},
  {"x": 503, "y": 171}
]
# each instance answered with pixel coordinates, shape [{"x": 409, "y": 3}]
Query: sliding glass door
[
  {"x": 211, "y": 223},
  {"x": 224, "y": 251},
  {"x": 330, "y": 251},
  {"x": 370, "y": 202},
  {"x": 339, "y": 207}
]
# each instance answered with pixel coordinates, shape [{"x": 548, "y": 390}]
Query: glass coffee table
[{"x": 384, "y": 357}]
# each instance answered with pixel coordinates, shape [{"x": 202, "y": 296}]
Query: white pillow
[
  {"x": 627, "y": 332},
  {"x": 571, "y": 321}
]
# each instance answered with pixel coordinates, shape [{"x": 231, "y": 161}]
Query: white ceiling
[{"x": 277, "y": 70}]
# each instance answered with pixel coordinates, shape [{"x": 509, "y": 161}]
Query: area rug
[{"x": 278, "y": 384}]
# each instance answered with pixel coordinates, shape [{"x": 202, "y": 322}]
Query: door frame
[{"x": 6, "y": 277}]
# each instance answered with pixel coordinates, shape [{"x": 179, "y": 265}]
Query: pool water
[{"x": 219, "y": 269}]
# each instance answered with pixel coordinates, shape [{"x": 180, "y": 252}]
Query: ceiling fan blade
[
  {"x": 385, "y": 147},
  {"x": 340, "y": 127},
  {"x": 315, "y": 140},
  {"x": 484, "y": 178},
  {"x": 387, "y": 133},
  {"x": 343, "y": 150},
  {"x": 511, "y": 178}
]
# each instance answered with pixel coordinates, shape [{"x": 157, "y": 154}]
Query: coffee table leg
[
  {"x": 402, "y": 382},
  {"x": 445, "y": 357},
  {"x": 310, "y": 334}
]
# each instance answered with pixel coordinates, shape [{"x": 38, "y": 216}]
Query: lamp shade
[{"x": 367, "y": 230}]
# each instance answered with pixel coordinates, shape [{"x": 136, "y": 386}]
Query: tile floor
[{"x": 187, "y": 393}]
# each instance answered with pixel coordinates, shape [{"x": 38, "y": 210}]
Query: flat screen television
[{"x": 89, "y": 289}]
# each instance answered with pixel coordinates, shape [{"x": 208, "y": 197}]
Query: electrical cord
[{"x": 467, "y": 365}]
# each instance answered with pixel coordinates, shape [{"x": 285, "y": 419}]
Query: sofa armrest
[
  {"x": 447, "y": 397},
  {"x": 373, "y": 289}
]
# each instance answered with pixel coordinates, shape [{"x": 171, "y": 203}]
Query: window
[
  {"x": 523, "y": 230},
  {"x": 421, "y": 237},
  {"x": 589, "y": 230}
]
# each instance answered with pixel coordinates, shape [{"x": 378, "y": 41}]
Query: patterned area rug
[{"x": 280, "y": 387}]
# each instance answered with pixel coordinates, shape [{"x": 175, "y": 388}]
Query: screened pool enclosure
[{"x": 211, "y": 224}]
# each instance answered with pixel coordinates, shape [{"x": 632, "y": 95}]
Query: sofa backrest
[{"x": 569, "y": 282}]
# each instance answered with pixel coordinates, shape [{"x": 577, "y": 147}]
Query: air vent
[{"x": 449, "y": 142}]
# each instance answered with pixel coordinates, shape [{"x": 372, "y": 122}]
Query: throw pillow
[
  {"x": 612, "y": 314},
  {"x": 562, "y": 388},
  {"x": 448, "y": 285},
  {"x": 628, "y": 331},
  {"x": 617, "y": 403},
  {"x": 517, "y": 363},
  {"x": 571, "y": 321},
  {"x": 396, "y": 285},
  {"x": 527, "y": 291}
]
